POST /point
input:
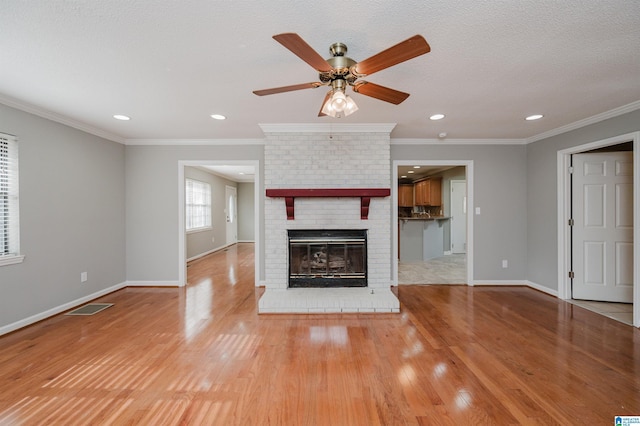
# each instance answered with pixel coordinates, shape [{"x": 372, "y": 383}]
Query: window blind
[
  {"x": 198, "y": 204},
  {"x": 9, "y": 215}
]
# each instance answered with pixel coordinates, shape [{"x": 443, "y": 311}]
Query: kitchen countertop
[{"x": 424, "y": 218}]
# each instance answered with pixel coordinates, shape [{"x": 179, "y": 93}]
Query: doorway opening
[
  {"x": 433, "y": 239},
  {"x": 578, "y": 252},
  {"x": 235, "y": 215}
]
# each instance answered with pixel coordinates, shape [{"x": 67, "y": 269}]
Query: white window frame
[
  {"x": 9, "y": 202},
  {"x": 203, "y": 203}
]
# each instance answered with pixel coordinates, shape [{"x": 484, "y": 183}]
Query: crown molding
[
  {"x": 187, "y": 142},
  {"x": 408, "y": 141},
  {"x": 327, "y": 127},
  {"x": 587, "y": 121},
  {"x": 44, "y": 113}
]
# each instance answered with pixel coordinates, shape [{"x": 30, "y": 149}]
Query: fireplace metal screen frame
[{"x": 333, "y": 241}]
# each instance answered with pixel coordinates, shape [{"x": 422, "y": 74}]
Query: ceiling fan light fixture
[
  {"x": 339, "y": 105},
  {"x": 338, "y": 101},
  {"x": 351, "y": 106},
  {"x": 327, "y": 109}
]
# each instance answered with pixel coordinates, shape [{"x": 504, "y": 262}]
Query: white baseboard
[
  {"x": 500, "y": 282},
  {"x": 58, "y": 309},
  {"x": 518, "y": 283},
  {"x": 542, "y": 288},
  {"x": 206, "y": 253},
  {"x": 246, "y": 241},
  {"x": 152, "y": 284}
]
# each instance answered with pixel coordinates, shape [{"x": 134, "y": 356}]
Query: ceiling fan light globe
[
  {"x": 338, "y": 101},
  {"x": 351, "y": 106},
  {"x": 328, "y": 110}
]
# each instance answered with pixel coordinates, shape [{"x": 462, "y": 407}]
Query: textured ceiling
[{"x": 170, "y": 64}]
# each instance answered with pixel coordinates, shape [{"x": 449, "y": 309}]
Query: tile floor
[
  {"x": 622, "y": 312},
  {"x": 451, "y": 269}
]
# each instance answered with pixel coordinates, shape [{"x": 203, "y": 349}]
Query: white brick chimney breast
[{"x": 327, "y": 156}]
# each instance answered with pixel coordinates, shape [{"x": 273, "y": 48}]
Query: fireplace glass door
[{"x": 327, "y": 258}]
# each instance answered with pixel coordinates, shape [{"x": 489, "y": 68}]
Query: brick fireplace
[{"x": 327, "y": 177}]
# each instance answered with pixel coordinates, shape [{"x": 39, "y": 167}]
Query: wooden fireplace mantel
[{"x": 365, "y": 195}]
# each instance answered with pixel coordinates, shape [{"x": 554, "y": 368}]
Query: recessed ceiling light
[
  {"x": 410, "y": 171},
  {"x": 121, "y": 117},
  {"x": 403, "y": 176},
  {"x": 436, "y": 117},
  {"x": 218, "y": 116},
  {"x": 416, "y": 167},
  {"x": 534, "y": 117}
]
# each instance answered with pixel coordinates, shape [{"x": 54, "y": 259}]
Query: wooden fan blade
[
  {"x": 379, "y": 92},
  {"x": 287, "y": 88},
  {"x": 302, "y": 50},
  {"x": 326, "y": 99},
  {"x": 403, "y": 51}
]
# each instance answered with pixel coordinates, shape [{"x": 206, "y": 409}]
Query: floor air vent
[{"x": 90, "y": 309}]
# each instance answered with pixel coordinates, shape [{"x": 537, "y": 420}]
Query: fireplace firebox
[{"x": 328, "y": 258}]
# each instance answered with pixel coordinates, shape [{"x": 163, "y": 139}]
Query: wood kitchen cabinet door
[
  {"x": 435, "y": 191},
  {"x": 405, "y": 195},
  {"x": 429, "y": 192},
  {"x": 422, "y": 190}
]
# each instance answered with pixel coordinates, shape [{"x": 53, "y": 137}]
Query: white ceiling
[
  {"x": 170, "y": 64},
  {"x": 235, "y": 173}
]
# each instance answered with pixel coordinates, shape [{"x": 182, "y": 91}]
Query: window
[
  {"x": 198, "y": 205},
  {"x": 9, "y": 213}
]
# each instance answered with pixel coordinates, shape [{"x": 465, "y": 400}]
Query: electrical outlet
[
  {"x": 505, "y": 263},
  {"x": 83, "y": 277}
]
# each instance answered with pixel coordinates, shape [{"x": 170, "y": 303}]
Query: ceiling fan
[{"x": 340, "y": 71}]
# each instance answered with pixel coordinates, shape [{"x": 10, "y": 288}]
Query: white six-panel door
[
  {"x": 603, "y": 226},
  {"x": 458, "y": 216},
  {"x": 231, "y": 213}
]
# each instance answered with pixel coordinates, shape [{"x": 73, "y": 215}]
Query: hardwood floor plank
[{"x": 202, "y": 355}]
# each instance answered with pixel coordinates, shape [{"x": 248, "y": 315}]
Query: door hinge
[
  {"x": 571, "y": 222},
  {"x": 570, "y": 170},
  {"x": 571, "y": 274}
]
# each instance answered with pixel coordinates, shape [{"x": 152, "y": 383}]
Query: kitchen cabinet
[
  {"x": 421, "y": 239},
  {"x": 405, "y": 195},
  {"x": 428, "y": 192}
]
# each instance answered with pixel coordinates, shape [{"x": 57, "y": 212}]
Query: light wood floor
[{"x": 456, "y": 355}]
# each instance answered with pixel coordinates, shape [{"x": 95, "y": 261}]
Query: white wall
[{"x": 72, "y": 218}]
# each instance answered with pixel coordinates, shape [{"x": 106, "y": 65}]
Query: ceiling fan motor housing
[{"x": 341, "y": 65}]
